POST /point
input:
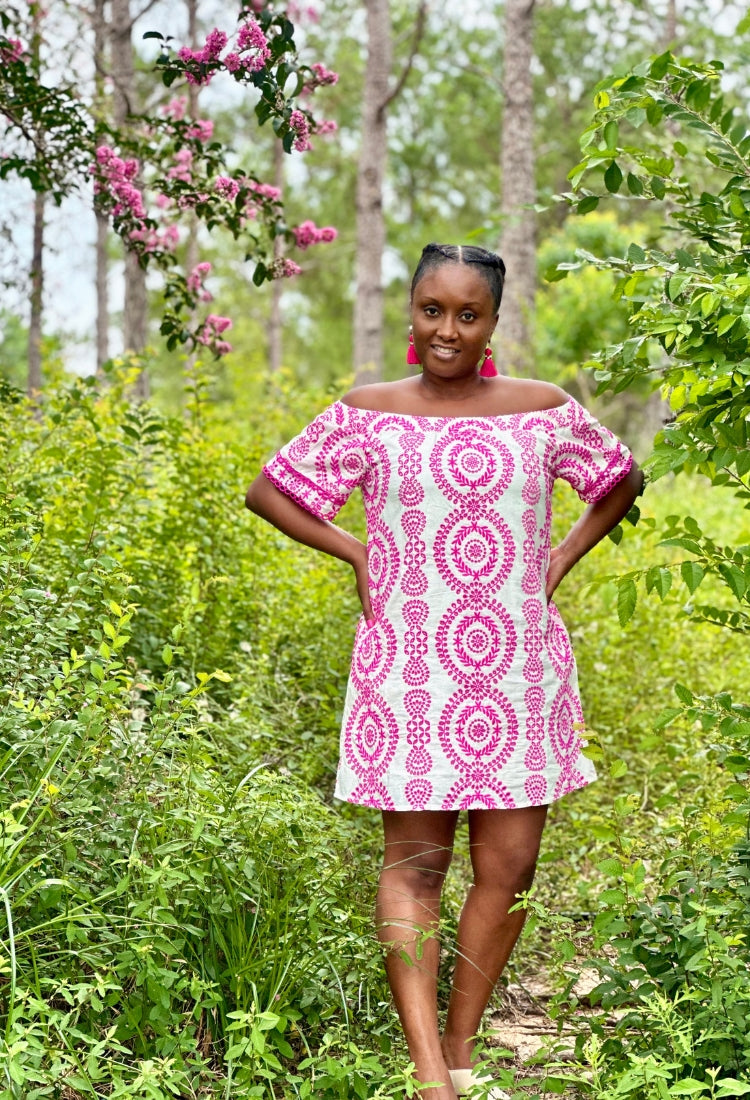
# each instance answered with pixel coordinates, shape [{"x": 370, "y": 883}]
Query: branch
[
  {"x": 142, "y": 12},
  {"x": 415, "y": 44}
]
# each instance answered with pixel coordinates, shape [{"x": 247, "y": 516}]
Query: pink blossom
[
  {"x": 300, "y": 125},
  {"x": 175, "y": 108},
  {"x": 163, "y": 201},
  {"x": 12, "y": 52},
  {"x": 218, "y": 324},
  {"x": 324, "y": 75},
  {"x": 308, "y": 233},
  {"x": 233, "y": 62},
  {"x": 212, "y": 328},
  {"x": 326, "y": 126},
  {"x": 265, "y": 190},
  {"x": 197, "y": 275},
  {"x": 253, "y": 63},
  {"x": 226, "y": 187},
  {"x": 251, "y": 37},
  {"x": 299, "y": 12},
  {"x": 113, "y": 178},
  {"x": 290, "y": 268},
  {"x": 182, "y": 169},
  {"x": 154, "y": 241},
  {"x": 215, "y": 43},
  {"x": 202, "y": 129}
]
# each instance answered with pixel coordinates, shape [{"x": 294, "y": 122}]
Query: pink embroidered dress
[{"x": 463, "y": 693}]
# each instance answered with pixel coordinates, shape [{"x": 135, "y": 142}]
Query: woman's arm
[
  {"x": 594, "y": 524},
  {"x": 277, "y": 508}
]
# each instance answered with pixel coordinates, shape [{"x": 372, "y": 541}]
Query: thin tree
[
  {"x": 368, "y": 304},
  {"x": 135, "y": 323},
  {"x": 36, "y": 295},
  {"x": 102, "y": 222},
  {"x": 518, "y": 190},
  {"x": 276, "y": 317}
]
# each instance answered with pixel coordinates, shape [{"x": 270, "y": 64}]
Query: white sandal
[{"x": 464, "y": 1080}]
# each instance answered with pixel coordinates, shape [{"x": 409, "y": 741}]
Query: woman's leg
[
  {"x": 418, "y": 850},
  {"x": 504, "y": 847}
]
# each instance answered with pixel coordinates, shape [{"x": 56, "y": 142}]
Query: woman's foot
[{"x": 429, "y": 1071}]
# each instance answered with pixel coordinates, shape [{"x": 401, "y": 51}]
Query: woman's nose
[{"x": 447, "y": 327}]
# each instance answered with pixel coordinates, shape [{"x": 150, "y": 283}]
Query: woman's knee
[
  {"x": 417, "y": 874},
  {"x": 512, "y": 871}
]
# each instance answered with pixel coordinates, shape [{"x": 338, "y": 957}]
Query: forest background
[{"x": 184, "y": 914}]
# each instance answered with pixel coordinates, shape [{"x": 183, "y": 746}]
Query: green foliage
[
  {"x": 180, "y": 915},
  {"x": 669, "y": 934}
]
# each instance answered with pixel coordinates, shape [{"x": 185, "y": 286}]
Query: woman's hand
[
  {"x": 556, "y": 570},
  {"x": 361, "y": 572}
]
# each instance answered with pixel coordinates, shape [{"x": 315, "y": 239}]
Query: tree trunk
[
  {"x": 276, "y": 319},
  {"x": 36, "y": 273},
  {"x": 34, "y": 385},
  {"x": 518, "y": 191},
  {"x": 135, "y": 326},
  {"x": 102, "y": 222},
  {"x": 368, "y": 305}
]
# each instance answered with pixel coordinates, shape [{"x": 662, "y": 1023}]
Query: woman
[{"x": 463, "y": 692}]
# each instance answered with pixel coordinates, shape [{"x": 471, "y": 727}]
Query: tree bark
[
  {"x": 34, "y": 385},
  {"x": 518, "y": 192},
  {"x": 368, "y": 305},
  {"x": 135, "y": 325},
  {"x": 36, "y": 273},
  {"x": 102, "y": 222},
  {"x": 276, "y": 319}
]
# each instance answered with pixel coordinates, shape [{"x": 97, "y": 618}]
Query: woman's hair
[{"x": 489, "y": 265}]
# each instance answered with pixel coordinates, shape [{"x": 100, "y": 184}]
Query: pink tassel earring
[
  {"x": 411, "y": 354},
  {"x": 488, "y": 368}
]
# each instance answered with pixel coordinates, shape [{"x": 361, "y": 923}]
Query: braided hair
[{"x": 488, "y": 264}]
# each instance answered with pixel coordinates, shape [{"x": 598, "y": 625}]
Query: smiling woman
[{"x": 463, "y": 690}]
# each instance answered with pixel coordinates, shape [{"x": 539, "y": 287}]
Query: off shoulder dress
[{"x": 463, "y": 691}]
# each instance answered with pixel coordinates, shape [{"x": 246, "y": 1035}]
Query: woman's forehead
[{"x": 456, "y": 281}]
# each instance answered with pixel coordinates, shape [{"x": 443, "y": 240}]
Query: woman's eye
[
  {"x": 468, "y": 316},
  {"x": 431, "y": 311}
]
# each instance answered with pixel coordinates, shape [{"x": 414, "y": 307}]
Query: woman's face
[{"x": 453, "y": 318}]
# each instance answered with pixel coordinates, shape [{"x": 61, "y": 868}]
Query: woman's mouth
[{"x": 442, "y": 352}]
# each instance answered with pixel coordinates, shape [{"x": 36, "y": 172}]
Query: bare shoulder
[
  {"x": 379, "y": 396},
  {"x": 527, "y": 395}
]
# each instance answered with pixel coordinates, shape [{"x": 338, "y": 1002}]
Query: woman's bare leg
[
  {"x": 418, "y": 851},
  {"x": 504, "y": 847}
]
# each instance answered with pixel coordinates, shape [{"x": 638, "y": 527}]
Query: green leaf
[
  {"x": 613, "y": 177},
  {"x": 166, "y": 655},
  {"x": 734, "y": 578},
  {"x": 658, "y": 187},
  {"x": 692, "y": 574},
  {"x": 611, "y": 134},
  {"x": 730, "y": 1086},
  {"x": 660, "y": 65},
  {"x": 684, "y": 694},
  {"x": 688, "y": 1086},
  {"x": 587, "y": 204},
  {"x": 627, "y": 597},
  {"x": 635, "y": 185}
]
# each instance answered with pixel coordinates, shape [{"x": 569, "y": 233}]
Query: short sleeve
[
  {"x": 586, "y": 454},
  {"x": 321, "y": 467}
]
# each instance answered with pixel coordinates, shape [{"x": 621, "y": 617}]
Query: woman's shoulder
[
  {"x": 525, "y": 395},
  {"x": 376, "y": 397},
  {"x": 499, "y": 396}
]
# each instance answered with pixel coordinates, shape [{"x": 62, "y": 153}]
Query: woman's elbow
[{"x": 254, "y": 494}]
